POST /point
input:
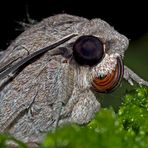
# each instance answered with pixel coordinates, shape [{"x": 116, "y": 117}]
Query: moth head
[{"x": 106, "y": 69}]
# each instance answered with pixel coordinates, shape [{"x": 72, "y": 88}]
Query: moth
[{"x": 49, "y": 73}]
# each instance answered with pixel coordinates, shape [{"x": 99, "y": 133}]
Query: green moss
[
  {"x": 134, "y": 111},
  {"x": 4, "y": 138},
  {"x": 126, "y": 128}
]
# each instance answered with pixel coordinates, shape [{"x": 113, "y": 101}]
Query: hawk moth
[{"x": 49, "y": 73}]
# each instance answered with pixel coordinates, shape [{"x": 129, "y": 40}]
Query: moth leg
[
  {"x": 130, "y": 76},
  {"x": 67, "y": 110},
  {"x": 56, "y": 114},
  {"x": 69, "y": 107},
  {"x": 82, "y": 110}
]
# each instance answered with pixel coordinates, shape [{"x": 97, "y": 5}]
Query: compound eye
[
  {"x": 88, "y": 50},
  {"x": 111, "y": 81}
]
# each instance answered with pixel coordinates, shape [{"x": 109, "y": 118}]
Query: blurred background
[{"x": 130, "y": 19}]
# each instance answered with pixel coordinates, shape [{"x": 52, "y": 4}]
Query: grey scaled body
[{"x": 54, "y": 89}]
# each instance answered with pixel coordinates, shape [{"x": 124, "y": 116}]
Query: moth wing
[
  {"x": 37, "y": 80},
  {"x": 27, "y": 102}
]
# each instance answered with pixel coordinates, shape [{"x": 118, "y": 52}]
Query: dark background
[{"x": 128, "y": 17}]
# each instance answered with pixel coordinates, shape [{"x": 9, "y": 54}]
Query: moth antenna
[
  {"x": 129, "y": 75},
  {"x": 40, "y": 52},
  {"x": 7, "y": 65}
]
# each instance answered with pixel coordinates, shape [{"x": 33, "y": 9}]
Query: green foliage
[
  {"x": 126, "y": 128},
  {"x": 133, "y": 116},
  {"x": 102, "y": 128},
  {"x": 4, "y": 138}
]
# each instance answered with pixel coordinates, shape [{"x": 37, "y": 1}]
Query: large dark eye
[{"x": 88, "y": 50}]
